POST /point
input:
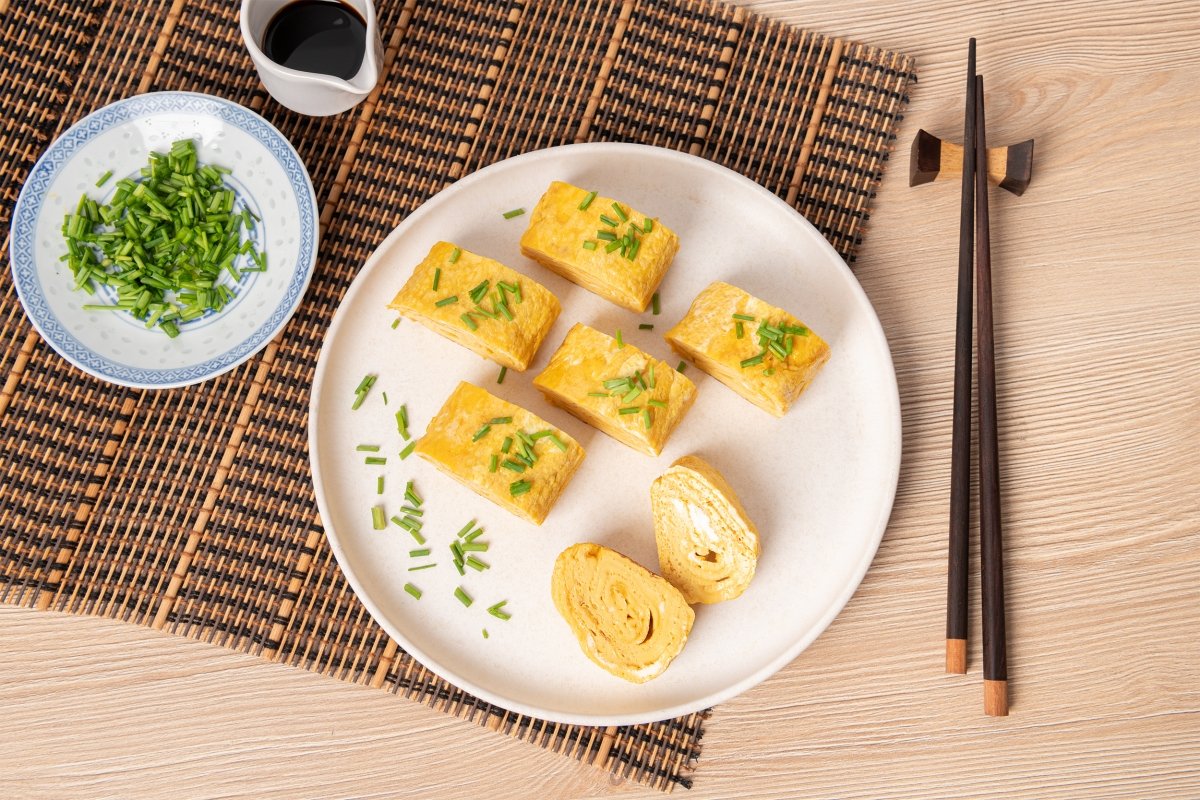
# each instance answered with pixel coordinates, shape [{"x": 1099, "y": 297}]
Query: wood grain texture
[{"x": 1097, "y": 331}]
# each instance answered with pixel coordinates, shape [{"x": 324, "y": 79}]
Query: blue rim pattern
[{"x": 29, "y": 207}]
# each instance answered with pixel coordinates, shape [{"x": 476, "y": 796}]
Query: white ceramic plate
[
  {"x": 267, "y": 176},
  {"x": 819, "y": 483}
]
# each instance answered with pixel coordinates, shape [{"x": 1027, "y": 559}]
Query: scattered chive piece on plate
[
  {"x": 494, "y": 464},
  {"x": 657, "y": 403},
  {"x": 681, "y": 367},
  {"x": 475, "y": 564},
  {"x": 472, "y": 547},
  {"x": 445, "y": 301},
  {"x": 416, "y": 535},
  {"x": 515, "y": 466},
  {"x": 368, "y": 448},
  {"x": 411, "y": 523},
  {"x": 507, "y": 445},
  {"x": 472, "y": 536},
  {"x": 646, "y": 420},
  {"x": 648, "y": 226},
  {"x": 104, "y": 178},
  {"x": 364, "y": 387},
  {"x": 385, "y": 398},
  {"x": 437, "y": 277},
  {"x": 416, "y": 512},
  {"x": 479, "y": 291},
  {"x": 606, "y": 236},
  {"x": 485, "y": 633},
  {"x": 411, "y": 495},
  {"x": 745, "y": 317},
  {"x": 413, "y": 590},
  {"x": 499, "y": 420},
  {"x": 482, "y": 432},
  {"x": 465, "y": 529},
  {"x": 498, "y": 611},
  {"x": 589, "y": 245},
  {"x": 518, "y": 488},
  {"x": 645, "y": 326},
  {"x": 379, "y": 485},
  {"x": 454, "y": 254},
  {"x": 376, "y": 460},
  {"x": 620, "y": 341},
  {"x": 741, "y": 329},
  {"x": 419, "y": 553},
  {"x": 396, "y": 322},
  {"x": 631, "y": 395},
  {"x": 609, "y": 221},
  {"x": 617, "y": 208},
  {"x": 406, "y": 452},
  {"x": 420, "y": 567},
  {"x": 613, "y": 245},
  {"x": 402, "y": 422},
  {"x": 503, "y": 372},
  {"x": 469, "y": 321},
  {"x": 557, "y": 442},
  {"x": 516, "y": 212},
  {"x": 378, "y": 518},
  {"x": 629, "y": 410},
  {"x": 463, "y": 597},
  {"x": 650, "y": 375},
  {"x": 458, "y": 565},
  {"x": 654, "y": 306},
  {"x": 587, "y": 201}
]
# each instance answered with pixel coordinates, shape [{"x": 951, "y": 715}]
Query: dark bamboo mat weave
[{"x": 191, "y": 510}]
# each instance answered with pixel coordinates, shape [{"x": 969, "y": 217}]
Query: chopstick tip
[
  {"x": 995, "y": 698},
  {"x": 956, "y": 656}
]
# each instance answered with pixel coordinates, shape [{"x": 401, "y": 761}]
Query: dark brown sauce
[{"x": 322, "y": 36}]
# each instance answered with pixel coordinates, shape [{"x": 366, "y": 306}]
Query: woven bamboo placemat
[{"x": 191, "y": 510}]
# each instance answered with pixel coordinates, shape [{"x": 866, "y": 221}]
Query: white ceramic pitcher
[{"x": 307, "y": 92}]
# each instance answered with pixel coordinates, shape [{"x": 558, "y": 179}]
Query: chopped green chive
[
  {"x": 419, "y": 553},
  {"x": 385, "y": 398},
  {"x": 516, "y": 212},
  {"x": 482, "y": 432},
  {"x": 646, "y": 417},
  {"x": 769, "y": 371},
  {"x": 495, "y": 462},
  {"x": 469, "y": 321},
  {"x": 745, "y": 317},
  {"x": 367, "y": 448},
  {"x": 406, "y": 452},
  {"x": 476, "y": 564},
  {"x": 645, "y": 326},
  {"x": 364, "y": 387},
  {"x": 379, "y": 485},
  {"x": 437, "y": 277},
  {"x": 681, "y": 367},
  {"x": 629, "y": 410},
  {"x": 557, "y": 442},
  {"x": 587, "y": 201},
  {"x": 515, "y": 466},
  {"x": 518, "y": 488},
  {"x": 396, "y": 322},
  {"x": 503, "y": 372},
  {"x": 589, "y": 245},
  {"x": 413, "y": 590},
  {"x": 624, "y": 217},
  {"x": 609, "y": 221},
  {"x": 468, "y": 546},
  {"x": 463, "y": 597},
  {"x": 375, "y": 460},
  {"x": 507, "y": 444},
  {"x": 631, "y": 395},
  {"x": 472, "y": 536},
  {"x": 798, "y": 330},
  {"x": 741, "y": 329},
  {"x": 402, "y": 422},
  {"x": 479, "y": 291},
  {"x": 597, "y": 394},
  {"x": 104, "y": 178},
  {"x": 498, "y": 611},
  {"x": 445, "y": 301},
  {"x": 650, "y": 375},
  {"x": 411, "y": 495},
  {"x": 499, "y": 420},
  {"x": 620, "y": 341},
  {"x": 378, "y": 518},
  {"x": 465, "y": 529},
  {"x": 656, "y": 403},
  {"x": 454, "y": 254},
  {"x": 606, "y": 236},
  {"x": 777, "y": 349},
  {"x": 654, "y": 306},
  {"x": 416, "y": 512},
  {"x": 614, "y": 245},
  {"x": 420, "y": 567},
  {"x": 648, "y": 225},
  {"x": 753, "y": 361}
]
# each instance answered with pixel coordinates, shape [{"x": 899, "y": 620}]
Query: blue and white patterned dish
[{"x": 267, "y": 176}]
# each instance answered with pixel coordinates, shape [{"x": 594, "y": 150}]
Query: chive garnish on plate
[
  {"x": 454, "y": 254},
  {"x": 445, "y": 301},
  {"x": 363, "y": 389},
  {"x": 482, "y": 432},
  {"x": 396, "y": 322},
  {"x": 628, "y": 410},
  {"x": 437, "y": 277},
  {"x": 104, "y": 179},
  {"x": 413, "y": 590},
  {"x": 681, "y": 367},
  {"x": 463, "y": 597},
  {"x": 518, "y": 488},
  {"x": 646, "y": 419},
  {"x": 407, "y": 451},
  {"x": 375, "y": 460},
  {"x": 497, "y": 610},
  {"x": 587, "y": 201},
  {"x": 589, "y": 245},
  {"x": 368, "y": 448},
  {"x": 516, "y": 212},
  {"x": 753, "y": 361},
  {"x": 500, "y": 377},
  {"x": 645, "y": 326},
  {"x": 620, "y": 341},
  {"x": 494, "y": 463},
  {"x": 420, "y": 567},
  {"x": 745, "y": 317},
  {"x": 378, "y": 518},
  {"x": 648, "y": 226},
  {"x": 469, "y": 321},
  {"x": 419, "y": 552},
  {"x": 654, "y": 306},
  {"x": 410, "y": 494},
  {"x": 379, "y": 485},
  {"x": 620, "y": 213},
  {"x": 477, "y": 564},
  {"x": 609, "y": 221}
]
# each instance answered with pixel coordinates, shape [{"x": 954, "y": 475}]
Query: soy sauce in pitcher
[{"x": 322, "y": 36}]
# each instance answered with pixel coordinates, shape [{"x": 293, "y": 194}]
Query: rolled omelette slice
[
  {"x": 501, "y": 451},
  {"x": 628, "y": 620},
  {"x": 707, "y": 546},
  {"x": 479, "y": 303},
  {"x": 770, "y": 364},
  {"x": 599, "y": 243},
  {"x": 599, "y": 381}
]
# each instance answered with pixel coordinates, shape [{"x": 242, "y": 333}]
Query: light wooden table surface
[{"x": 1098, "y": 314}]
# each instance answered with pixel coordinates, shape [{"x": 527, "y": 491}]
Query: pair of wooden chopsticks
[{"x": 974, "y": 240}]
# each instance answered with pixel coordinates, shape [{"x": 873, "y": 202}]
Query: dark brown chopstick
[
  {"x": 991, "y": 550},
  {"x": 960, "y": 448}
]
